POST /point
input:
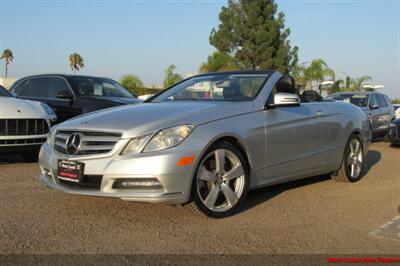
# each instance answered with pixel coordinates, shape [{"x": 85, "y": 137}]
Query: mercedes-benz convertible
[{"x": 207, "y": 142}]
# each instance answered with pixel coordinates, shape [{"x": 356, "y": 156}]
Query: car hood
[
  {"x": 18, "y": 108},
  {"x": 136, "y": 120},
  {"x": 117, "y": 100}
]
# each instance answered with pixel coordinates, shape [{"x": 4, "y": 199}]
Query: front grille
[
  {"x": 88, "y": 181},
  {"x": 22, "y": 141},
  {"x": 91, "y": 142},
  {"x": 23, "y": 127}
]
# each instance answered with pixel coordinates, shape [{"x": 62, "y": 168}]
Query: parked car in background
[
  {"x": 72, "y": 95},
  {"x": 23, "y": 125},
  {"x": 394, "y": 132},
  {"x": 376, "y": 105},
  {"x": 396, "y": 110},
  {"x": 210, "y": 138}
]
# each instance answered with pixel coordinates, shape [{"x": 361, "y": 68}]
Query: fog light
[
  {"x": 46, "y": 172},
  {"x": 137, "y": 183}
]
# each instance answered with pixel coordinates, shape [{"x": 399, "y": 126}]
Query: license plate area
[{"x": 70, "y": 171}]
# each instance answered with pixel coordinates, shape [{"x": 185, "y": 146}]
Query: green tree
[
  {"x": 357, "y": 84},
  {"x": 76, "y": 62},
  {"x": 337, "y": 86},
  {"x": 132, "y": 83},
  {"x": 171, "y": 77},
  {"x": 218, "y": 62},
  {"x": 8, "y": 57},
  {"x": 254, "y": 35},
  {"x": 318, "y": 71}
]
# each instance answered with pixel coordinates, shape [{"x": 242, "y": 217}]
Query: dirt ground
[{"x": 312, "y": 216}]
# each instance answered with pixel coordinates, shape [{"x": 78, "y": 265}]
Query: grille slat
[
  {"x": 23, "y": 127},
  {"x": 91, "y": 142},
  {"x": 88, "y": 182}
]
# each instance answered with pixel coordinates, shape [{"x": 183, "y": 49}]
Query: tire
[
  {"x": 221, "y": 181},
  {"x": 352, "y": 167}
]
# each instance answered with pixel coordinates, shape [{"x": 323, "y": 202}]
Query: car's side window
[
  {"x": 20, "y": 88},
  {"x": 57, "y": 85},
  {"x": 382, "y": 101},
  {"x": 284, "y": 85},
  {"x": 36, "y": 87},
  {"x": 373, "y": 100}
]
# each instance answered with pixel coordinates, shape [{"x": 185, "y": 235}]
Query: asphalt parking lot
[{"x": 315, "y": 215}]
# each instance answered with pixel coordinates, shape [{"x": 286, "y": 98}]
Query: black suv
[{"x": 72, "y": 95}]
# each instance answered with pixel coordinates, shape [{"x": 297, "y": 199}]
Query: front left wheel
[{"x": 221, "y": 181}]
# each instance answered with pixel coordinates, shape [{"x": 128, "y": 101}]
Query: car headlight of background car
[
  {"x": 47, "y": 109},
  {"x": 164, "y": 139},
  {"x": 392, "y": 125}
]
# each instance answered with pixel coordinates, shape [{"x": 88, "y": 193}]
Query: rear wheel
[
  {"x": 352, "y": 166},
  {"x": 221, "y": 181}
]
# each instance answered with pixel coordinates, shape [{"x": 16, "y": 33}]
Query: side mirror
[
  {"x": 64, "y": 95},
  {"x": 284, "y": 100},
  {"x": 373, "y": 106}
]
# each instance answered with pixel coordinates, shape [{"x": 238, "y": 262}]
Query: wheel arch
[{"x": 232, "y": 139}]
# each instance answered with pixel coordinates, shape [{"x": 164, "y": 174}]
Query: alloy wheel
[
  {"x": 355, "y": 158},
  {"x": 220, "y": 180}
]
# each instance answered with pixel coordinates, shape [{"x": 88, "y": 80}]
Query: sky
[{"x": 144, "y": 37}]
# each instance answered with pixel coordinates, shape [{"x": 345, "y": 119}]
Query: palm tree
[
  {"x": 357, "y": 84},
  {"x": 218, "y": 62},
  {"x": 171, "y": 78},
  {"x": 8, "y": 57},
  {"x": 337, "y": 86},
  {"x": 318, "y": 71},
  {"x": 76, "y": 62}
]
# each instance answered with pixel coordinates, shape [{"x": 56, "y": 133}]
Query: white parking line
[{"x": 390, "y": 230}]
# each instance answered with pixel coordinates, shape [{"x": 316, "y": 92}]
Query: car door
[
  {"x": 46, "y": 89},
  {"x": 61, "y": 98},
  {"x": 375, "y": 113},
  {"x": 386, "y": 112},
  {"x": 295, "y": 137}
]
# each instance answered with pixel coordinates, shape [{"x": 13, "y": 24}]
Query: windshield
[
  {"x": 219, "y": 87},
  {"x": 356, "y": 99},
  {"x": 98, "y": 87},
  {"x": 4, "y": 92}
]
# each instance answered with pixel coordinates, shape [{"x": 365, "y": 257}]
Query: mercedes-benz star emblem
[{"x": 73, "y": 144}]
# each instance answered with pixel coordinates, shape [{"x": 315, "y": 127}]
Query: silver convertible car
[{"x": 207, "y": 141}]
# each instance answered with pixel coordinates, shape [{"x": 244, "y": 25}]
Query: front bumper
[
  {"x": 175, "y": 180},
  {"x": 394, "y": 134}
]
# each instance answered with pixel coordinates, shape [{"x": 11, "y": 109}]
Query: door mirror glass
[
  {"x": 284, "y": 99},
  {"x": 64, "y": 94}
]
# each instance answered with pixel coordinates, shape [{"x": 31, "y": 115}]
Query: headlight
[
  {"x": 135, "y": 145},
  {"x": 51, "y": 136},
  {"x": 392, "y": 125},
  {"x": 47, "y": 109},
  {"x": 169, "y": 137}
]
